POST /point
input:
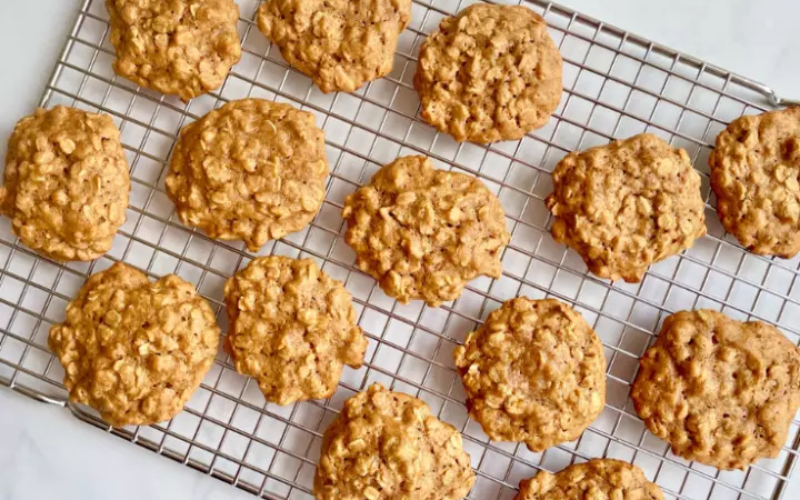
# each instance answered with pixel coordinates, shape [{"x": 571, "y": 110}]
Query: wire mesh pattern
[{"x": 616, "y": 85}]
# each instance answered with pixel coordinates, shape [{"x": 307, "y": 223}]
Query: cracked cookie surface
[
  {"x": 180, "y": 47},
  {"x": 66, "y": 183},
  {"x": 490, "y": 73},
  {"x": 627, "y": 205},
  {"x": 134, "y": 350},
  {"x": 755, "y": 173},
  {"x": 340, "y": 44},
  {"x": 720, "y": 391},
  {"x": 534, "y": 372},
  {"x": 292, "y": 328},
  {"x": 594, "y": 480},
  {"x": 387, "y": 445},
  {"x": 424, "y": 233},
  {"x": 252, "y": 170}
]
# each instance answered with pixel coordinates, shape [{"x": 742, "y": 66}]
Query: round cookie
[
  {"x": 66, "y": 183},
  {"x": 534, "y": 372},
  {"x": 720, "y": 391},
  {"x": 755, "y": 173},
  {"x": 252, "y": 170},
  {"x": 424, "y": 233},
  {"x": 491, "y": 73},
  {"x": 134, "y": 350},
  {"x": 627, "y": 205},
  {"x": 291, "y": 327},
  {"x": 180, "y": 47},
  {"x": 387, "y": 446},
  {"x": 595, "y": 479},
  {"x": 340, "y": 44}
]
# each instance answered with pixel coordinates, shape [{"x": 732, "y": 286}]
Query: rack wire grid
[{"x": 616, "y": 85}]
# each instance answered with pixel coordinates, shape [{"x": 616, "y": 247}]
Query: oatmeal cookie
[
  {"x": 721, "y": 392},
  {"x": 595, "y": 479},
  {"x": 424, "y": 233},
  {"x": 491, "y": 73},
  {"x": 534, "y": 372},
  {"x": 340, "y": 44},
  {"x": 291, "y": 327},
  {"x": 252, "y": 170},
  {"x": 387, "y": 446},
  {"x": 134, "y": 350},
  {"x": 755, "y": 173},
  {"x": 627, "y": 205},
  {"x": 180, "y": 47},
  {"x": 66, "y": 183}
]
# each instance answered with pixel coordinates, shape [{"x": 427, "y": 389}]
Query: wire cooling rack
[{"x": 616, "y": 85}]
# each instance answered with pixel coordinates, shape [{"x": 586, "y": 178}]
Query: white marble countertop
[{"x": 46, "y": 453}]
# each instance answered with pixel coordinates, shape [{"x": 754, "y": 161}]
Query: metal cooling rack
[{"x": 616, "y": 85}]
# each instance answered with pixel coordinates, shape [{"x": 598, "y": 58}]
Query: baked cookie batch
[
  {"x": 489, "y": 74},
  {"x": 252, "y": 170},
  {"x": 424, "y": 233},
  {"x": 534, "y": 373},
  {"x": 627, "y": 205},
  {"x": 719, "y": 391},
  {"x": 66, "y": 183},
  {"x": 292, "y": 328},
  {"x": 180, "y": 47},
  {"x": 135, "y": 350}
]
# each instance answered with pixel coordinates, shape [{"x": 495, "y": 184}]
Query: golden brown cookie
[
  {"x": 181, "y": 47},
  {"x": 252, "y": 170},
  {"x": 66, "y": 183},
  {"x": 534, "y": 372},
  {"x": 292, "y": 328},
  {"x": 626, "y": 205},
  {"x": 721, "y": 392},
  {"x": 491, "y": 73},
  {"x": 134, "y": 350},
  {"x": 340, "y": 44},
  {"x": 593, "y": 480},
  {"x": 424, "y": 233},
  {"x": 387, "y": 446},
  {"x": 755, "y": 173}
]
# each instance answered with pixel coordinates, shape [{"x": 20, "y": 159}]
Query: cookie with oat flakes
[
  {"x": 424, "y": 233},
  {"x": 387, "y": 445},
  {"x": 627, "y": 205},
  {"x": 755, "y": 173},
  {"x": 720, "y": 391},
  {"x": 134, "y": 350},
  {"x": 180, "y": 47},
  {"x": 66, "y": 183},
  {"x": 340, "y": 44},
  {"x": 291, "y": 327},
  {"x": 595, "y": 479},
  {"x": 490, "y": 73},
  {"x": 252, "y": 170},
  {"x": 534, "y": 372}
]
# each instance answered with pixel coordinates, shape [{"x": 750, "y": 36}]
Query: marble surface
[{"x": 46, "y": 453}]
